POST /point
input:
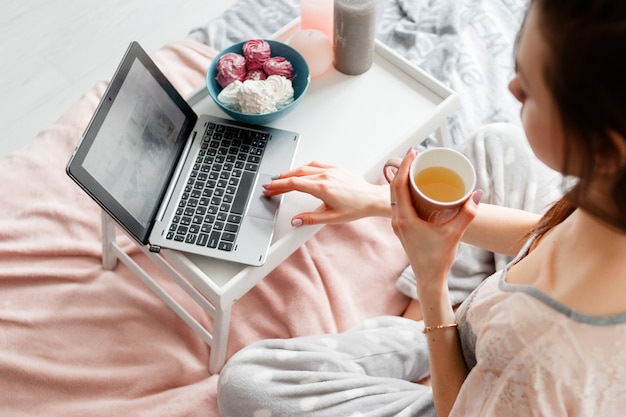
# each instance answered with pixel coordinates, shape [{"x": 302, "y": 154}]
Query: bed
[{"x": 77, "y": 340}]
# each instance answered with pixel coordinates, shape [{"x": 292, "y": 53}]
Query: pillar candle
[
  {"x": 318, "y": 15},
  {"x": 354, "y": 31},
  {"x": 316, "y": 49}
]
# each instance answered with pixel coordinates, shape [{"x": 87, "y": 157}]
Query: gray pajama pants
[
  {"x": 365, "y": 371},
  {"x": 368, "y": 370}
]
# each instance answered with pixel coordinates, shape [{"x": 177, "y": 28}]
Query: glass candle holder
[{"x": 318, "y": 15}]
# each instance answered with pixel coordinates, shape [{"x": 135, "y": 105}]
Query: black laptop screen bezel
[{"x": 78, "y": 171}]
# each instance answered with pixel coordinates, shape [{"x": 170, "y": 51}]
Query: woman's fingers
[
  {"x": 306, "y": 184},
  {"x": 400, "y": 192},
  {"x": 314, "y": 167}
]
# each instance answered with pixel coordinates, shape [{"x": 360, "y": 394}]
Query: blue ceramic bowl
[{"x": 300, "y": 82}]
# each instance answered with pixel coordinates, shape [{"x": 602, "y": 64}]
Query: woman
[{"x": 543, "y": 337}]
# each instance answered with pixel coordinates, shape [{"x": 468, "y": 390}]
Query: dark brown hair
[{"x": 586, "y": 73}]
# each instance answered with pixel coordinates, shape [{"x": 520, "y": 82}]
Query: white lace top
[{"x": 533, "y": 356}]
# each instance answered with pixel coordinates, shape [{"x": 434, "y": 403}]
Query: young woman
[{"x": 545, "y": 336}]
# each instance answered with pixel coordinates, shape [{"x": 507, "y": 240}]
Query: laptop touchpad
[{"x": 261, "y": 206}]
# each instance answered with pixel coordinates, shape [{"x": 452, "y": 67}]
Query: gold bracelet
[{"x": 428, "y": 329}]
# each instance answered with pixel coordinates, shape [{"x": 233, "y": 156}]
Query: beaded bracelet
[{"x": 428, "y": 329}]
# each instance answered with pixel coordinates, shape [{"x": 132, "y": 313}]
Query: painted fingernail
[
  {"x": 477, "y": 196},
  {"x": 275, "y": 177},
  {"x": 297, "y": 222}
]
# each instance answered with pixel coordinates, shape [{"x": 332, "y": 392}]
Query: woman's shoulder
[{"x": 579, "y": 269}]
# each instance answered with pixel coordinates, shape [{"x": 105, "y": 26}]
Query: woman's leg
[{"x": 366, "y": 371}]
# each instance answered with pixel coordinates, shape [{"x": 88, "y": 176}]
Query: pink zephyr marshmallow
[
  {"x": 230, "y": 67},
  {"x": 278, "y": 65},
  {"x": 256, "y": 52},
  {"x": 256, "y": 74}
]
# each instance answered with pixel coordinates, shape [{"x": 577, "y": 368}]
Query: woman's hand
[
  {"x": 431, "y": 248},
  {"x": 345, "y": 195}
]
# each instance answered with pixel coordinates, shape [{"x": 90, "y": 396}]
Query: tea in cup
[{"x": 441, "y": 181}]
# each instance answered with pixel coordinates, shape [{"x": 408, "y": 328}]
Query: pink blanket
[{"x": 76, "y": 340}]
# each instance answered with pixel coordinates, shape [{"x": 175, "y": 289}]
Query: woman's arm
[
  {"x": 500, "y": 229},
  {"x": 431, "y": 250},
  {"x": 347, "y": 196}
]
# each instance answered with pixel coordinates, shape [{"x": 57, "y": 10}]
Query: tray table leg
[
  {"x": 218, "y": 340},
  {"x": 442, "y": 134},
  {"x": 109, "y": 259},
  {"x": 221, "y": 325}
]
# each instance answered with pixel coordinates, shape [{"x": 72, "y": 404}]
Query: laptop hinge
[{"x": 155, "y": 248}]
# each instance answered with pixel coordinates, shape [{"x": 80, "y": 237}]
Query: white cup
[{"x": 441, "y": 180}]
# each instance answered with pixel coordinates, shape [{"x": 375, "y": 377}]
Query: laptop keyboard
[{"x": 212, "y": 206}]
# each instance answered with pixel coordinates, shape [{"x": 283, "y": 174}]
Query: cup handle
[{"x": 390, "y": 168}]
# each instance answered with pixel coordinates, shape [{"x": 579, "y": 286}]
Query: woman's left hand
[{"x": 431, "y": 248}]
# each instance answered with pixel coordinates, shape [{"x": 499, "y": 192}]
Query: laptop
[{"x": 174, "y": 179}]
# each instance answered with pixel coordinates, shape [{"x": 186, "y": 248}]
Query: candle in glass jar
[
  {"x": 318, "y": 15},
  {"x": 354, "y": 31}
]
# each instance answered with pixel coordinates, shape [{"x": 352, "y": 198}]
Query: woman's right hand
[
  {"x": 345, "y": 195},
  {"x": 431, "y": 248}
]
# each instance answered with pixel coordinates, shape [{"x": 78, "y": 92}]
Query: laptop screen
[{"x": 133, "y": 144}]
